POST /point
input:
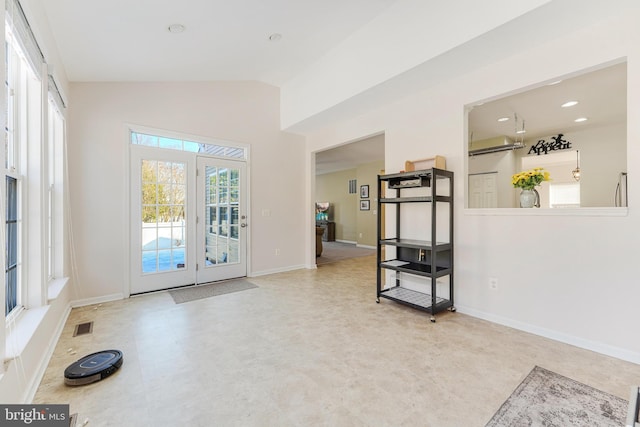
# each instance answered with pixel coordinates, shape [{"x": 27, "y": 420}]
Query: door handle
[{"x": 243, "y": 225}]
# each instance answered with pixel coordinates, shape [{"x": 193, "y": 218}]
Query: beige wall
[
  {"x": 245, "y": 112},
  {"x": 367, "y": 220},
  {"x": 334, "y": 188},
  {"x": 352, "y": 224}
]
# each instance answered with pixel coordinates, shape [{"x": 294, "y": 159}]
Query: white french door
[
  {"x": 188, "y": 219},
  {"x": 222, "y": 220}
]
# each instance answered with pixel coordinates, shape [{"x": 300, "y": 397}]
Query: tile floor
[{"x": 306, "y": 348}]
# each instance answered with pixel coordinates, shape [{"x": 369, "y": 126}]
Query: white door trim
[{"x": 126, "y": 141}]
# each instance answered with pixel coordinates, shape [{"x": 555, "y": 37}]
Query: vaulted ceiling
[
  {"x": 275, "y": 41},
  {"x": 129, "y": 40}
]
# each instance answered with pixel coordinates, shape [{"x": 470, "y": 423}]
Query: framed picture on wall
[
  {"x": 364, "y": 205},
  {"x": 364, "y": 192}
]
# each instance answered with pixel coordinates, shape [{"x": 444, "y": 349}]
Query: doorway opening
[{"x": 346, "y": 181}]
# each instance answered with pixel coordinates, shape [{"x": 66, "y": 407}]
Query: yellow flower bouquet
[{"x": 527, "y": 180}]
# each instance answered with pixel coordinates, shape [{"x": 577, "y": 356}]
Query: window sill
[
  {"x": 55, "y": 288},
  {"x": 605, "y": 212},
  {"x": 20, "y": 331}
]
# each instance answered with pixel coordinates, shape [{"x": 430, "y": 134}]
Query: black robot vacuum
[{"x": 93, "y": 367}]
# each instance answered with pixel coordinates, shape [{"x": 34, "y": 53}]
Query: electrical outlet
[
  {"x": 361, "y": 235},
  {"x": 277, "y": 251},
  {"x": 493, "y": 283}
]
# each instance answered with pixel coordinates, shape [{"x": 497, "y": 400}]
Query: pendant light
[
  {"x": 519, "y": 132},
  {"x": 576, "y": 171}
]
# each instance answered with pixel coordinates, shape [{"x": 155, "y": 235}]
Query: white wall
[
  {"x": 245, "y": 112},
  {"x": 571, "y": 278},
  {"x": 405, "y": 35}
]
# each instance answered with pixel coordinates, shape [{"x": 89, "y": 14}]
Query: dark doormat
[
  {"x": 211, "y": 290},
  {"x": 545, "y": 398}
]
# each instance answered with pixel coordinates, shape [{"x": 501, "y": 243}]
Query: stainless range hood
[{"x": 493, "y": 145}]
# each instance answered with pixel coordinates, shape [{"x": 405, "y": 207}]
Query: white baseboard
[
  {"x": 608, "y": 350},
  {"x": 277, "y": 270},
  {"x": 356, "y": 244},
  {"x": 366, "y": 247},
  {"x": 96, "y": 300}
]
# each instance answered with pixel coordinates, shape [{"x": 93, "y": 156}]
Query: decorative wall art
[{"x": 555, "y": 143}]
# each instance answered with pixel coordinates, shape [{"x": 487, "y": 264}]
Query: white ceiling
[
  {"x": 128, "y": 40},
  {"x": 125, "y": 40},
  {"x": 601, "y": 96},
  {"x": 351, "y": 155}
]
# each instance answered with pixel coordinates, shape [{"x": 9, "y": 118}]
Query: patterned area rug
[
  {"x": 545, "y": 398},
  {"x": 205, "y": 291}
]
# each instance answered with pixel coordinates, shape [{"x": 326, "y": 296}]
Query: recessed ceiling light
[
  {"x": 554, "y": 83},
  {"x": 581, "y": 119},
  {"x": 275, "y": 37},
  {"x": 569, "y": 104},
  {"x": 521, "y": 132},
  {"x": 503, "y": 119},
  {"x": 176, "y": 28}
]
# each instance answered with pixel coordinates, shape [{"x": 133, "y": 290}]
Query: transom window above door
[{"x": 209, "y": 149}]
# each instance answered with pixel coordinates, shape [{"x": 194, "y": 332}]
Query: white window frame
[
  {"x": 14, "y": 161},
  {"x": 54, "y": 188},
  {"x": 552, "y": 189},
  {"x": 35, "y": 128}
]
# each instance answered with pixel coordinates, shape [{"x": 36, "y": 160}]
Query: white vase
[{"x": 528, "y": 198}]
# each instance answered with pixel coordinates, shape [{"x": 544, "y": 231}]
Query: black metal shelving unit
[{"x": 430, "y": 259}]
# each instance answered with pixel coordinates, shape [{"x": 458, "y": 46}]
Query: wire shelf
[{"x": 408, "y": 296}]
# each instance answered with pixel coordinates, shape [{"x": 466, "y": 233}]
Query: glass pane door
[
  {"x": 223, "y": 230},
  {"x": 188, "y": 219},
  {"x": 162, "y": 219}
]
